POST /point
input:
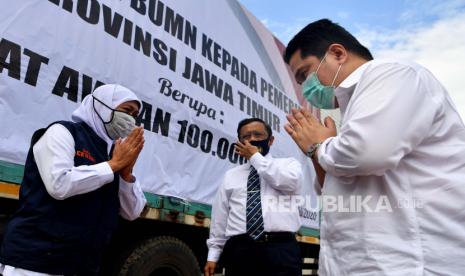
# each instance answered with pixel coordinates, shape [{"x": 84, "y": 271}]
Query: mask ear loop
[
  {"x": 337, "y": 73},
  {"x": 321, "y": 62},
  {"x": 112, "y": 113},
  {"x": 95, "y": 110}
]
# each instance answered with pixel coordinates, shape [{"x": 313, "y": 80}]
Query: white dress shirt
[
  {"x": 402, "y": 141},
  {"x": 54, "y": 155},
  {"x": 279, "y": 178}
]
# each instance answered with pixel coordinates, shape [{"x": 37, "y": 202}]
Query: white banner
[{"x": 198, "y": 66}]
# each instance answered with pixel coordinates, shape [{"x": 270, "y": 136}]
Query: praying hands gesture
[
  {"x": 126, "y": 152},
  {"x": 306, "y": 130}
]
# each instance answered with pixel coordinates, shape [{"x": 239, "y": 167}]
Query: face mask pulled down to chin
[{"x": 262, "y": 145}]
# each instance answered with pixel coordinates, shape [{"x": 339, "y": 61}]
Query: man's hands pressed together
[{"x": 306, "y": 130}]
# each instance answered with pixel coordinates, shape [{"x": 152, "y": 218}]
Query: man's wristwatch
[{"x": 312, "y": 149}]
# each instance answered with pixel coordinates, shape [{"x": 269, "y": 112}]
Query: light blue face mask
[{"x": 319, "y": 95}]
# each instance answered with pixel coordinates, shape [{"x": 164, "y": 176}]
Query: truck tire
[{"x": 161, "y": 256}]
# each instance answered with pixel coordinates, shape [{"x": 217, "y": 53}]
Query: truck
[{"x": 199, "y": 67}]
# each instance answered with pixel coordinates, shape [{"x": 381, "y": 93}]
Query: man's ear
[
  {"x": 270, "y": 142},
  {"x": 339, "y": 52}
]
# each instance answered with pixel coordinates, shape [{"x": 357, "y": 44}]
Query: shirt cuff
[
  {"x": 127, "y": 187},
  {"x": 322, "y": 151},
  {"x": 105, "y": 171},
  {"x": 256, "y": 160},
  {"x": 213, "y": 255}
]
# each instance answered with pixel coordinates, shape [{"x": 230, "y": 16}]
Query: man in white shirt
[
  {"x": 74, "y": 186},
  {"x": 258, "y": 239},
  {"x": 400, "y": 153}
]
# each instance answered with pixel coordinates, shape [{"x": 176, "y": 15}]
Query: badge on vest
[{"x": 85, "y": 154}]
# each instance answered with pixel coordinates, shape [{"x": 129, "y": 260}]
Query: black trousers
[{"x": 276, "y": 256}]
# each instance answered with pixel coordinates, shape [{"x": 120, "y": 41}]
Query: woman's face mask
[
  {"x": 316, "y": 93},
  {"x": 120, "y": 124}
]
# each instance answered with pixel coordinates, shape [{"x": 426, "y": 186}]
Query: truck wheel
[{"x": 161, "y": 256}]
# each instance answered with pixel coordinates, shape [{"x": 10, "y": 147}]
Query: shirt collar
[{"x": 345, "y": 90}]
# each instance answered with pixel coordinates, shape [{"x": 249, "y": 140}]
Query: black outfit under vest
[
  {"x": 62, "y": 236},
  {"x": 274, "y": 254}
]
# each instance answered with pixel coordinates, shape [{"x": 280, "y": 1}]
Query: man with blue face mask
[
  {"x": 77, "y": 180},
  {"x": 258, "y": 238},
  {"x": 396, "y": 169}
]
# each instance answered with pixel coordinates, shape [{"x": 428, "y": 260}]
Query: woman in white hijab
[
  {"x": 72, "y": 190},
  {"x": 98, "y": 108}
]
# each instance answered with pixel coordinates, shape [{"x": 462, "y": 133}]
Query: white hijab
[{"x": 112, "y": 95}]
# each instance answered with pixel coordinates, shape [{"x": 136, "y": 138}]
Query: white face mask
[{"x": 120, "y": 124}]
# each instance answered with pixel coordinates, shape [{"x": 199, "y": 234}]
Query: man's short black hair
[
  {"x": 251, "y": 120},
  {"x": 315, "y": 38}
]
